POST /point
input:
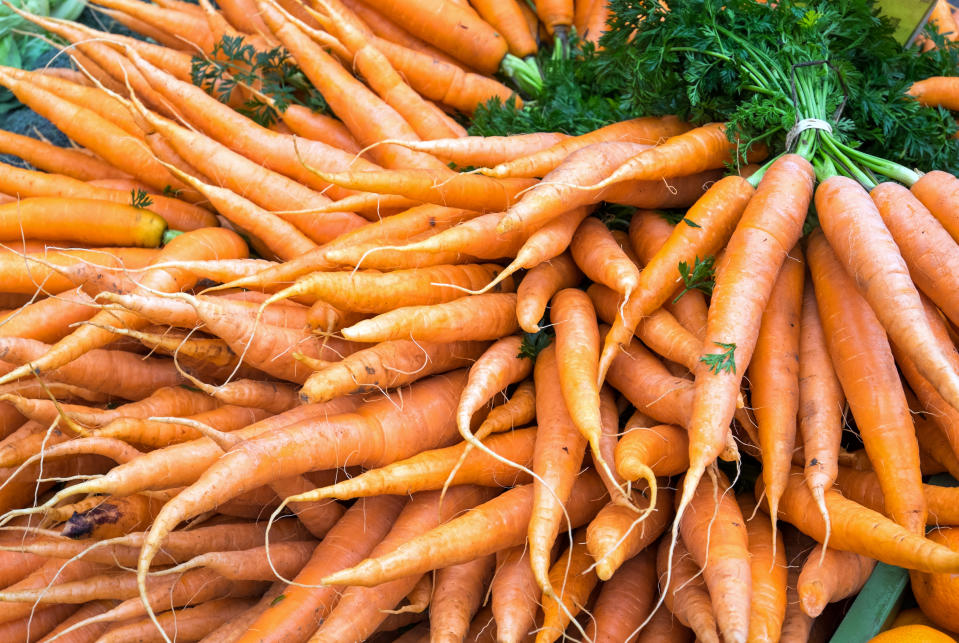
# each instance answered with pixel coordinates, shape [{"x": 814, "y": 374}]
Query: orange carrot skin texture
[
  {"x": 597, "y": 254},
  {"x": 840, "y": 574},
  {"x": 863, "y": 531},
  {"x": 648, "y": 130},
  {"x": 939, "y": 191},
  {"x": 769, "y": 571},
  {"x": 481, "y": 151},
  {"x": 716, "y": 213},
  {"x": 41, "y": 621},
  {"x": 930, "y": 253},
  {"x": 613, "y": 537},
  {"x": 351, "y": 539},
  {"x": 871, "y": 256},
  {"x": 63, "y": 219},
  {"x": 648, "y": 232},
  {"x": 498, "y": 367},
  {"x": 202, "y": 243},
  {"x": 456, "y": 30},
  {"x": 716, "y": 536},
  {"x": 665, "y": 628},
  {"x": 558, "y": 454},
  {"x": 497, "y": 524},
  {"x": 89, "y": 633},
  {"x": 686, "y": 595},
  {"x": 797, "y": 625},
  {"x": 664, "y": 448},
  {"x": 774, "y": 376},
  {"x": 937, "y": 91},
  {"x": 538, "y": 287},
  {"x": 574, "y": 582},
  {"x": 358, "y": 612},
  {"x": 442, "y": 322},
  {"x": 624, "y": 600},
  {"x": 864, "y": 364},
  {"x": 821, "y": 400},
  {"x": 555, "y": 13},
  {"x": 457, "y": 594},
  {"x": 82, "y": 166},
  {"x": 770, "y": 227},
  {"x": 642, "y": 378},
  {"x": 515, "y": 596}
]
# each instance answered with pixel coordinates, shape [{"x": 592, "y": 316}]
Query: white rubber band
[{"x": 802, "y": 126}]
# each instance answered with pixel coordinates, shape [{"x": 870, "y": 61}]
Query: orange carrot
[
  {"x": 648, "y": 130},
  {"x": 831, "y": 576},
  {"x": 685, "y": 590},
  {"x": 187, "y": 623},
  {"x": 774, "y": 379},
  {"x": 771, "y": 225},
  {"x": 939, "y": 192},
  {"x": 624, "y": 601},
  {"x": 882, "y": 277},
  {"x": 661, "y": 450},
  {"x": 478, "y": 151},
  {"x": 538, "y": 287},
  {"x": 769, "y": 570},
  {"x": 514, "y": 595},
  {"x": 601, "y": 259},
  {"x": 870, "y": 382},
  {"x": 574, "y": 581},
  {"x": 557, "y": 15},
  {"x": 78, "y": 164},
  {"x": 642, "y": 378},
  {"x": 457, "y": 594},
  {"x": 615, "y": 535}
]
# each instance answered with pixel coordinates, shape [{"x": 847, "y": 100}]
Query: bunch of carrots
[{"x": 297, "y": 379}]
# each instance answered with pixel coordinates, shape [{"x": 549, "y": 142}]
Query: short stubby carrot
[{"x": 855, "y": 230}]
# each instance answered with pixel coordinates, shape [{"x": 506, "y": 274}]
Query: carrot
[
  {"x": 497, "y": 524},
  {"x": 715, "y": 215},
  {"x": 863, "y": 487},
  {"x": 538, "y": 287},
  {"x": 863, "y": 531},
  {"x": 457, "y": 31},
  {"x": 831, "y": 576},
  {"x": 771, "y": 225},
  {"x": 774, "y": 379},
  {"x": 646, "y": 383},
  {"x": 664, "y": 627},
  {"x": 514, "y": 595},
  {"x": 457, "y": 594},
  {"x": 769, "y": 570},
  {"x": 357, "y": 613},
  {"x": 77, "y": 164},
  {"x": 479, "y": 151},
  {"x": 615, "y": 535},
  {"x": 597, "y": 254},
  {"x": 507, "y": 19},
  {"x": 517, "y": 411},
  {"x": 386, "y": 29},
  {"x": 188, "y": 623},
  {"x": 426, "y": 119},
  {"x": 929, "y": 251},
  {"x": 86, "y": 634},
  {"x": 574, "y": 581},
  {"x": 938, "y": 191},
  {"x": 685, "y": 592},
  {"x": 40, "y": 621},
  {"x": 50, "y": 574},
  {"x": 643, "y": 452},
  {"x": 624, "y": 601},
  {"x": 660, "y": 331},
  {"x": 172, "y": 312},
  {"x": 870, "y": 382},
  {"x": 309, "y": 449},
  {"x": 715, "y": 533},
  {"x": 882, "y": 277},
  {"x": 647, "y": 130},
  {"x": 595, "y": 25},
  {"x": 375, "y": 292},
  {"x": 821, "y": 403},
  {"x": 189, "y": 30},
  {"x": 441, "y": 322},
  {"x": 797, "y": 625},
  {"x": 936, "y": 91},
  {"x": 69, "y": 219}
]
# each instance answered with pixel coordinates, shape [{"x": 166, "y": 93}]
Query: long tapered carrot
[
  {"x": 821, "y": 403},
  {"x": 774, "y": 378},
  {"x": 538, "y": 287},
  {"x": 648, "y": 130},
  {"x": 714, "y": 531},
  {"x": 615, "y": 535},
  {"x": 870, "y": 382},
  {"x": 187, "y": 623},
  {"x": 685, "y": 590},
  {"x": 496, "y": 524},
  {"x": 703, "y": 148},
  {"x": 939, "y": 191},
  {"x": 574, "y": 581},
  {"x": 624, "y": 600},
  {"x": 442, "y": 322},
  {"x": 478, "y": 151},
  {"x": 514, "y": 595},
  {"x": 80, "y": 165},
  {"x": 386, "y": 29},
  {"x": 358, "y": 611},
  {"x": 771, "y": 225},
  {"x": 930, "y": 253},
  {"x": 715, "y": 215},
  {"x": 881, "y": 275},
  {"x": 457, "y": 594},
  {"x": 599, "y": 257},
  {"x": 863, "y": 531}
]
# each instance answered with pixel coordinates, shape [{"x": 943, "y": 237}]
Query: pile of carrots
[{"x": 305, "y": 382}]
